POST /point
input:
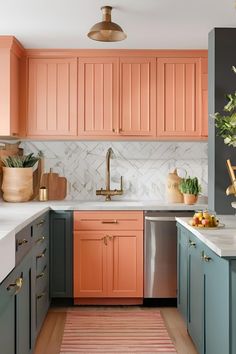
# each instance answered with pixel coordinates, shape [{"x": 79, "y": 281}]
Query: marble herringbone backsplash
[{"x": 144, "y": 165}]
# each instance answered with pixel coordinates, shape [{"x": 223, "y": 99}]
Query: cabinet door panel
[
  {"x": 138, "y": 96},
  {"x": 61, "y": 255},
  {"x": 179, "y": 97},
  {"x": 125, "y": 264},
  {"x": 216, "y": 296},
  {"x": 98, "y": 96},
  {"x": 52, "y": 97},
  {"x": 90, "y": 257},
  {"x": 204, "y": 71},
  {"x": 196, "y": 291},
  {"x": 183, "y": 272},
  {"x": 7, "y": 316}
]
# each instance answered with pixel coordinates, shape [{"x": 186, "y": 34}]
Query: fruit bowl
[{"x": 203, "y": 219}]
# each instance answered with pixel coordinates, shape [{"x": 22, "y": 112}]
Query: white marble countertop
[
  {"x": 222, "y": 241},
  {"x": 15, "y": 216}
]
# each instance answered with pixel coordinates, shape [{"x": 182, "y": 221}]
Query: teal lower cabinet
[
  {"x": 61, "y": 256},
  {"x": 195, "y": 292},
  {"x": 16, "y": 335},
  {"x": 216, "y": 304},
  {"x": 211, "y": 296},
  {"x": 182, "y": 273}
]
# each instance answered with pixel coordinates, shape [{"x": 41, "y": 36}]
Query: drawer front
[
  {"x": 108, "y": 220},
  {"x": 23, "y": 243},
  {"x": 41, "y": 242},
  {"x": 42, "y": 305},
  {"x": 42, "y": 280},
  {"x": 40, "y": 259},
  {"x": 41, "y": 226}
]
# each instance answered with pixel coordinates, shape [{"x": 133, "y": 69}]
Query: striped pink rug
[{"x": 115, "y": 331}]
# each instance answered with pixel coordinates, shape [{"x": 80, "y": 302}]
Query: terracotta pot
[
  {"x": 17, "y": 184},
  {"x": 190, "y": 198}
]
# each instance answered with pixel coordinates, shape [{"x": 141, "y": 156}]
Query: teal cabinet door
[
  {"x": 182, "y": 271},
  {"x": 7, "y": 315},
  {"x": 216, "y": 303},
  {"x": 195, "y": 292},
  {"x": 61, "y": 255},
  {"x": 23, "y": 308}
]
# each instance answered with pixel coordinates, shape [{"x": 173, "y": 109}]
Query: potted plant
[
  {"x": 17, "y": 183},
  {"x": 226, "y": 123},
  {"x": 190, "y": 188}
]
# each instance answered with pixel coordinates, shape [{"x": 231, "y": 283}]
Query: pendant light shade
[{"x": 106, "y": 31}]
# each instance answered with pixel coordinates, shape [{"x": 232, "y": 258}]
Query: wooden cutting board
[{"x": 56, "y": 185}]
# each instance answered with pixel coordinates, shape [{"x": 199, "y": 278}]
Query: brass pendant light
[{"x": 106, "y": 31}]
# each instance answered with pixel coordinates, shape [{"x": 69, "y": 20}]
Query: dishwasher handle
[{"x": 160, "y": 218}]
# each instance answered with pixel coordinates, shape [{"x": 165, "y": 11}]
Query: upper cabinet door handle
[{"x": 109, "y": 222}]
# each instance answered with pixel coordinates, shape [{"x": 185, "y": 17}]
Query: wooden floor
[{"x": 49, "y": 339}]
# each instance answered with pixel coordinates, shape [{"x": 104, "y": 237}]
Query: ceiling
[{"x": 148, "y": 23}]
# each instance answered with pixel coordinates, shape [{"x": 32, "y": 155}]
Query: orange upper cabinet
[
  {"x": 98, "y": 96},
  {"x": 179, "y": 97},
  {"x": 52, "y": 97},
  {"x": 137, "y": 96},
  {"x": 11, "y": 63}
]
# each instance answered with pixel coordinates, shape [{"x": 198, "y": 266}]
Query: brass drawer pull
[
  {"x": 41, "y": 295},
  {"x": 40, "y": 275},
  {"x": 18, "y": 285},
  {"x": 206, "y": 258},
  {"x": 22, "y": 242},
  {"x": 40, "y": 223},
  {"x": 192, "y": 243},
  {"x": 41, "y": 255},
  {"x": 40, "y": 239},
  {"x": 109, "y": 222}
]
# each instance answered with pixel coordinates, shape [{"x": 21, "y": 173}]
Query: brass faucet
[{"x": 108, "y": 192}]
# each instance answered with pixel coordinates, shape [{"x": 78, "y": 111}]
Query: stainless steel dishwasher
[{"x": 160, "y": 253}]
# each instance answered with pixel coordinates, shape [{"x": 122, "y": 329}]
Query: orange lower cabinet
[
  {"x": 108, "y": 263},
  {"x": 90, "y": 265},
  {"x": 125, "y": 264}
]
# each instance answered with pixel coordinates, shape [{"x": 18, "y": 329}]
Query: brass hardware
[
  {"x": 113, "y": 130},
  {"x": 40, "y": 275},
  {"x": 40, "y": 223},
  {"x": 105, "y": 240},
  {"x": 41, "y": 255},
  {"x": 106, "y": 30},
  {"x": 14, "y": 134},
  {"x": 22, "y": 242},
  {"x": 192, "y": 243},
  {"x": 108, "y": 192},
  {"x": 41, "y": 239},
  {"x": 206, "y": 258},
  {"x": 18, "y": 285},
  {"x": 110, "y": 238},
  {"x": 109, "y": 222},
  {"x": 41, "y": 295}
]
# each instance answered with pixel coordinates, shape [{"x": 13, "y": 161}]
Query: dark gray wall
[{"x": 222, "y": 80}]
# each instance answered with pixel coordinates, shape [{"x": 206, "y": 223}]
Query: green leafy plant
[
  {"x": 190, "y": 186},
  {"x": 21, "y": 161},
  {"x": 226, "y": 123}
]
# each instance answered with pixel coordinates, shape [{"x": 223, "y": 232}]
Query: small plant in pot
[
  {"x": 17, "y": 183},
  {"x": 190, "y": 188}
]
